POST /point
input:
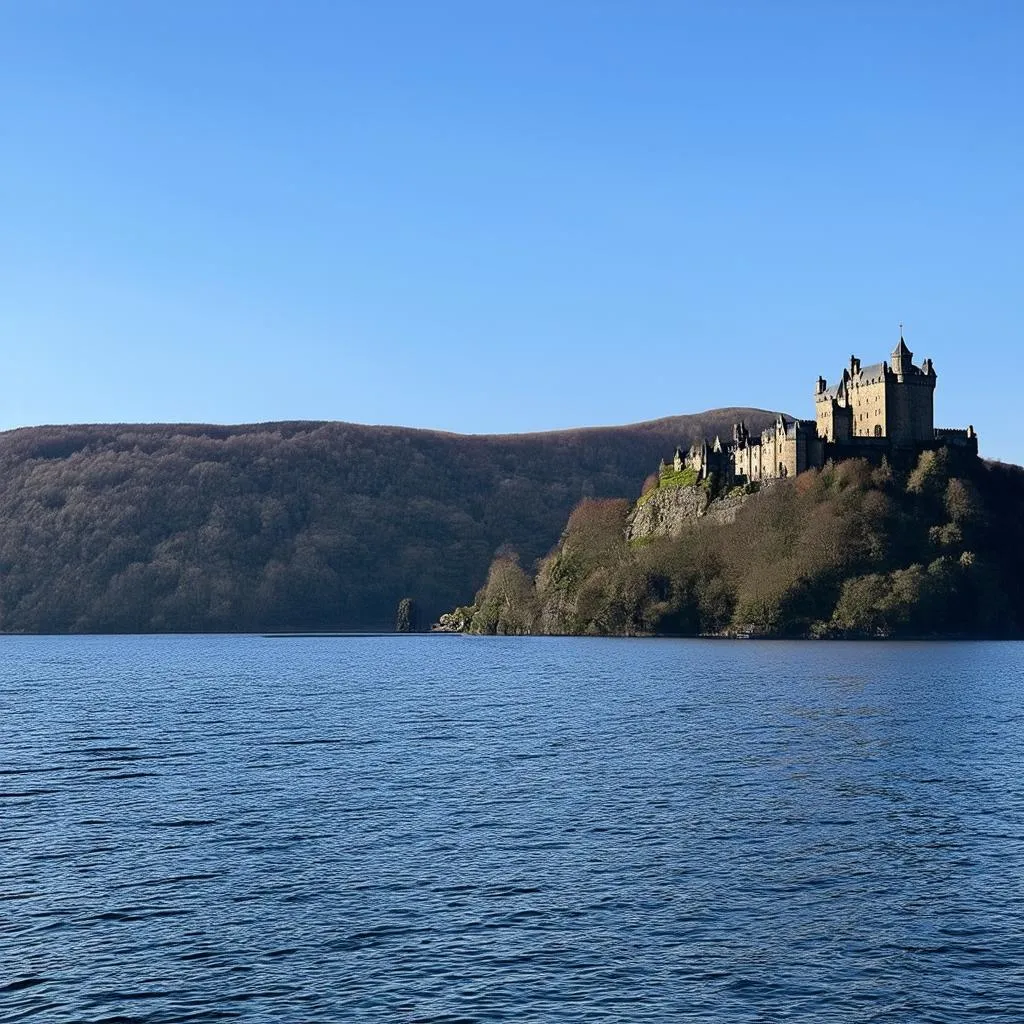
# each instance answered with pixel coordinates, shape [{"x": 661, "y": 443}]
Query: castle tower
[
  {"x": 909, "y": 398},
  {"x": 902, "y": 358},
  {"x": 833, "y": 416}
]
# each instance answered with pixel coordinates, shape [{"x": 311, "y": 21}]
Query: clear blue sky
[{"x": 508, "y": 215}]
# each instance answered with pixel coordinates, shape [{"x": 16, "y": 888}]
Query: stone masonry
[{"x": 871, "y": 411}]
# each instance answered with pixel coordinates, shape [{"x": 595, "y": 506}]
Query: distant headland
[
  {"x": 866, "y": 522},
  {"x": 826, "y": 528}
]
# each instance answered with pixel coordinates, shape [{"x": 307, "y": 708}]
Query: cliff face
[
  {"x": 666, "y": 512},
  {"x": 669, "y": 511}
]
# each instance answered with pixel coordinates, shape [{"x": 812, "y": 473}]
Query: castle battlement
[
  {"x": 954, "y": 436},
  {"x": 883, "y": 408}
]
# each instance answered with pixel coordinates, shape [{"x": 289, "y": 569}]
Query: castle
[{"x": 882, "y": 409}]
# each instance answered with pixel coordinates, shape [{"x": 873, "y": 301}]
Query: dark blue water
[{"x": 450, "y": 829}]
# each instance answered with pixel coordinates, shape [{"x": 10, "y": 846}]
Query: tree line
[
  {"x": 851, "y": 550},
  {"x": 274, "y": 526}
]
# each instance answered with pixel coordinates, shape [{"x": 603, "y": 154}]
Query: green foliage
[
  {"x": 507, "y": 603},
  {"x": 668, "y": 477},
  {"x": 569, "y": 580},
  {"x": 929, "y": 476},
  {"x": 849, "y": 551},
  {"x": 915, "y": 600},
  {"x": 458, "y": 620},
  {"x": 685, "y": 477}
]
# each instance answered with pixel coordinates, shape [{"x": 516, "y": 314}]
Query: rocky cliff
[{"x": 667, "y": 511}]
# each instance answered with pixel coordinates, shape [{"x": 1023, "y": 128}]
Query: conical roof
[{"x": 901, "y": 354}]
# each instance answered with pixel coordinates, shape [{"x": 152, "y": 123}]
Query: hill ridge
[
  {"x": 292, "y": 523},
  {"x": 659, "y": 423}
]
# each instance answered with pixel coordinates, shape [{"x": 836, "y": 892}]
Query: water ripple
[{"x": 444, "y": 829}]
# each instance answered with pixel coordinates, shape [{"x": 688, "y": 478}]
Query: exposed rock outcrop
[
  {"x": 668, "y": 511},
  {"x": 724, "y": 509}
]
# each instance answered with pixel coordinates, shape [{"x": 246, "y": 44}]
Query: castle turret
[
  {"x": 909, "y": 399},
  {"x": 902, "y": 358},
  {"x": 870, "y": 412}
]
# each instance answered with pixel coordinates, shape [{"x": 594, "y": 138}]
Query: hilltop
[
  {"x": 853, "y": 549},
  {"x": 128, "y": 527},
  {"x": 866, "y": 522}
]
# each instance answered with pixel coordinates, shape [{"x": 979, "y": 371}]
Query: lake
[{"x": 486, "y": 829}]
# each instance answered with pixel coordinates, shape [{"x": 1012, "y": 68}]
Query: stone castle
[{"x": 882, "y": 409}]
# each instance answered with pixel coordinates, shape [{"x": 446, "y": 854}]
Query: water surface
[{"x": 458, "y": 829}]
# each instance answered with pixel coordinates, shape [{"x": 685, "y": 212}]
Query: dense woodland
[
  {"x": 852, "y": 550},
  {"x": 289, "y": 525}
]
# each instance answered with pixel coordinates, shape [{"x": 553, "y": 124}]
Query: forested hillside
[
  {"x": 289, "y": 525},
  {"x": 852, "y": 550}
]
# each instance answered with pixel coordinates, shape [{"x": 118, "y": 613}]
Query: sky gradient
[{"x": 508, "y": 216}]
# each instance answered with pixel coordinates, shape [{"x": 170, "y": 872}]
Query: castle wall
[
  {"x": 880, "y": 410},
  {"x": 874, "y": 449},
  {"x": 910, "y": 411},
  {"x": 922, "y": 409},
  {"x": 823, "y": 416},
  {"x": 786, "y": 464},
  {"x": 842, "y": 424},
  {"x": 799, "y": 452},
  {"x": 772, "y": 458},
  {"x": 900, "y": 431},
  {"x": 741, "y": 462},
  {"x": 868, "y": 406},
  {"x": 784, "y": 450},
  {"x": 771, "y": 453},
  {"x": 815, "y": 453},
  {"x": 965, "y": 439}
]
